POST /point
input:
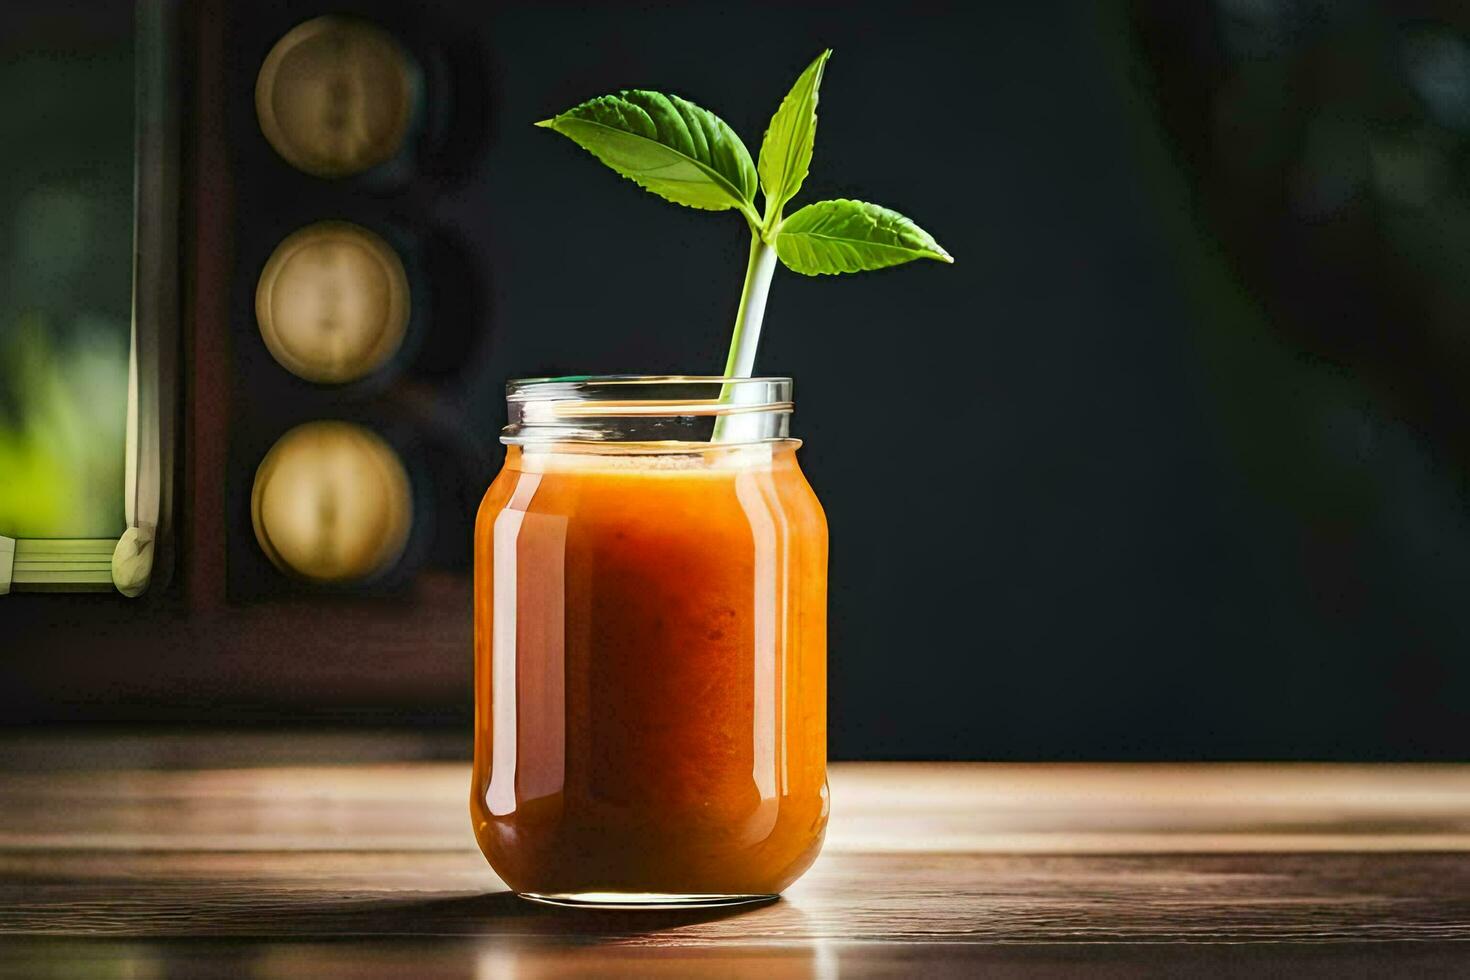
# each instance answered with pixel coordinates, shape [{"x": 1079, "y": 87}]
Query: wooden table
[{"x": 291, "y": 855}]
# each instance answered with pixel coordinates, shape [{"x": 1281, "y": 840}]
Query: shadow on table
[
  {"x": 502, "y": 913},
  {"x": 485, "y": 913}
]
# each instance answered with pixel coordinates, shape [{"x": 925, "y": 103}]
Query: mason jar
[{"x": 650, "y": 645}]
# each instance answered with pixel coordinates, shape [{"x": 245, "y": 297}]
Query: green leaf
[
  {"x": 667, "y": 145},
  {"x": 786, "y": 151},
  {"x": 850, "y": 236}
]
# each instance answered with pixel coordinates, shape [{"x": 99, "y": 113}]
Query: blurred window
[{"x": 66, "y": 232}]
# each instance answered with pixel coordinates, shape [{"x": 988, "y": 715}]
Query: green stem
[
  {"x": 741, "y": 361},
  {"x": 747, "y": 336}
]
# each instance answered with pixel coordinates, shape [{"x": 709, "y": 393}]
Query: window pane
[{"x": 66, "y": 228}]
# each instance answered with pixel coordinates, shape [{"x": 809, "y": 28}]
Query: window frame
[{"x": 141, "y": 560}]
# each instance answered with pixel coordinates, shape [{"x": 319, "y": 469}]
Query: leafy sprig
[{"x": 689, "y": 156}]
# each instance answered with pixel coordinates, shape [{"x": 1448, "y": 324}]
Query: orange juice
[{"x": 650, "y": 672}]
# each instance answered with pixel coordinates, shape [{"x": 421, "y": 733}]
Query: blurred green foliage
[
  {"x": 62, "y": 430},
  {"x": 66, "y": 230}
]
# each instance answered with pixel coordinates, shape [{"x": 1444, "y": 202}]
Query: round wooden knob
[
  {"x": 335, "y": 96},
  {"x": 331, "y": 503},
  {"x": 332, "y": 303}
]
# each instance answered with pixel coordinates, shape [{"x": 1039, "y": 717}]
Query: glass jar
[{"x": 650, "y": 645}]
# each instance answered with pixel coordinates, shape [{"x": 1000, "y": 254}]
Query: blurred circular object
[
  {"x": 331, "y": 503},
  {"x": 335, "y": 96},
  {"x": 332, "y": 303}
]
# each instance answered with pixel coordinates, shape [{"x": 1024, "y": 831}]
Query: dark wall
[
  {"x": 1106, "y": 487},
  {"x": 1087, "y": 497}
]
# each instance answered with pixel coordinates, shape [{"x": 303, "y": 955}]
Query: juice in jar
[{"x": 650, "y": 672}]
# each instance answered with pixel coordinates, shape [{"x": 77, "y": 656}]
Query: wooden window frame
[{"x": 142, "y": 558}]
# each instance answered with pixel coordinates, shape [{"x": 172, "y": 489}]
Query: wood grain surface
[{"x": 286, "y": 855}]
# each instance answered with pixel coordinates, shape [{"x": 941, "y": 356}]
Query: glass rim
[
  {"x": 583, "y": 382},
  {"x": 577, "y": 396},
  {"x": 640, "y": 407}
]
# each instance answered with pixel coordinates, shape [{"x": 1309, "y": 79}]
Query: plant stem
[{"x": 747, "y": 335}]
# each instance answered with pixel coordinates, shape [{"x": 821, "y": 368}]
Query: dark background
[
  {"x": 1170, "y": 464},
  {"x": 1088, "y": 494}
]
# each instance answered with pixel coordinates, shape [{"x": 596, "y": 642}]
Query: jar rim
[
  {"x": 580, "y": 382},
  {"x": 647, "y": 407}
]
